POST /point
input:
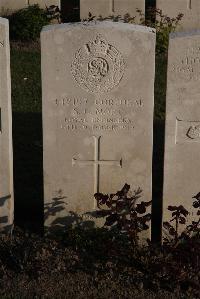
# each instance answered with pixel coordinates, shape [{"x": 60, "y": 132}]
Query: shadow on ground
[{"x": 28, "y": 170}]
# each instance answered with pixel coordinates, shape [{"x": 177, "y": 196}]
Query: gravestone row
[
  {"x": 182, "y": 135},
  {"x": 12, "y": 5},
  {"x": 171, "y": 8},
  {"x": 98, "y": 88},
  {"x": 106, "y": 8},
  {"x": 189, "y": 8}
]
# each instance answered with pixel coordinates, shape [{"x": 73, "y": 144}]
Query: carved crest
[
  {"x": 98, "y": 66},
  {"x": 193, "y": 132}
]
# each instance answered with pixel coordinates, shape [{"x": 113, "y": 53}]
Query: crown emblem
[
  {"x": 193, "y": 132},
  {"x": 98, "y": 46},
  {"x": 98, "y": 66}
]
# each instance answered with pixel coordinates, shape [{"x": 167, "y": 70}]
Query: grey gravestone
[
  {"x": 6, "y": 161},
  {"x": 98, "y": 86},
  {"x": 106, "y": 8},
  {"x": 190, "y": 9},
  {"x": 182, "y": 145}
]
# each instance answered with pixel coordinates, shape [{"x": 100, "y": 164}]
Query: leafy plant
[
  {"x": 181, "y": 251},
  {"x": 163, "y": 24},
  {"x": 179, "y": 215},
  {"x": 123, "y": 213},
  {"x": 194, "y": 227},
  {"x": 127, "y": 18},
  {"x": 54, "y": 13},
  {"x": 26, "y": 24}
]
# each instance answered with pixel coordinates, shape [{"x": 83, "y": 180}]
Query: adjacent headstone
[
  {"x": 182, "y": 145},
  {"x": 6, "y": 160},
  {"x": 189, "y": 8},
  {"x": 13, "y": 5},
  {"x": 45, "y": 3},
  {"x": 98, "y": 87},
  {"x": 106, "y": 8}
]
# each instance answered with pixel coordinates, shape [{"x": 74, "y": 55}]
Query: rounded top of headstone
[
  {"x": 3, "y": 21},
  {"x": 184, "y": 34},
  {"x": 101, "y": 24}
]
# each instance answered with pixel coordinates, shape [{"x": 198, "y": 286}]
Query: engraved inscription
[
  {"x": 188, "y": 66},
  {"x": 103, "y": 114},
  {"x": 98, "y": 66},
  {"x": 187, "y": 131},
  {"x": 190, "y": 4},
  {"x": 193, "y": 132},
  {"x": 112, "y": 6},
  {"x": 2, "y": 43},
  {"x": 96, "y": 163}
]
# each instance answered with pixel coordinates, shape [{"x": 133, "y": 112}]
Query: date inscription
[{"x": 80, "y": 114}]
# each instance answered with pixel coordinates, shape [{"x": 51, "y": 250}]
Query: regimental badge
[
  {"x": 194, "y": 132},
  {"x": 98, "y": 66}
]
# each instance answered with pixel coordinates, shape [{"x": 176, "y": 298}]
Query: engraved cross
[
  {"x": 96, "y": 163},
  {"x": 112, "y": 6},
  {"x": 190, "y": 4}
]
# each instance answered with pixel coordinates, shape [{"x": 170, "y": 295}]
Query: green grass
[
  {"x": 27, "y": 135},
  {"x": 26, "y": 81}
]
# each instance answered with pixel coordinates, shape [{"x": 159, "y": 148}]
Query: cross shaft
[
  {"x": 96, "y": 162},
  {"x": 112, "y": 6},
  {"x": 190, "y": 4}
]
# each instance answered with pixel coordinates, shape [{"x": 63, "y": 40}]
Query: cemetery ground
[{"x": 81, "y": 264}]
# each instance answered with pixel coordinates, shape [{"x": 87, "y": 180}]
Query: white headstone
[
  {"x": 6, "y": 160},
  {"x": 13, "y": 5},
  {"x": 189, "y": 8},
  {"x": 98, "y": 87},
  {"x": 45, "y": 3},
  {"x": 182, "y": 144},
  {"x": 106, "y": 8}
]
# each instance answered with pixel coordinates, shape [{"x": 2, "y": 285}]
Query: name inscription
[
  {"x": 101, "y": 115},
  {"x": 188, "y": 66}
]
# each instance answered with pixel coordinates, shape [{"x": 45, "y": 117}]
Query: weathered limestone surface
[
  {"x": 182, "y": 144},
  {"x": 190, "y": 9},
  {"x": 107, "y": 8},
  {"x": 12, "y": 5},
  {"x": 98, "y": 87},
  {"x": 6, "y": 160},
  {"x": 45, "y": 3}
]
